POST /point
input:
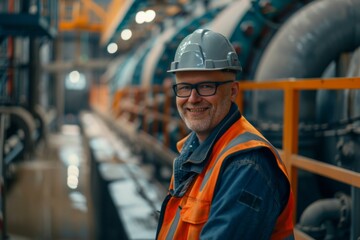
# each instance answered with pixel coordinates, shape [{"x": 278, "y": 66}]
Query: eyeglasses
[{"x": 204, "y": 89}]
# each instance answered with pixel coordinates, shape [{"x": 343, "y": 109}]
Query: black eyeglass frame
[{"x": 195, "y": 86}]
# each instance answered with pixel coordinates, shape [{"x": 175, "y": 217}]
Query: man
[{"x": 228, "y": 181}]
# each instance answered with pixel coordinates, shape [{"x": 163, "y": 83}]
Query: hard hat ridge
[{"x": 205, "y": 50}]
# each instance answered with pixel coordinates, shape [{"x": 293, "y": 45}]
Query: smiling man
[
  {"x": 203, "y": 116},
  {"x": 228, "y": 180}
]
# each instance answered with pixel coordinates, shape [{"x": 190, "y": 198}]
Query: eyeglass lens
[{"x": 203, "y": 88}]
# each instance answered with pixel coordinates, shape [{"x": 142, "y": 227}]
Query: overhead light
[
  {"x": 147, "y": 16},
  {"x": 75, "y": 81},
  {"x": 140, "y": 17},
  {"x": 74, "y": 76},
  {"x": 150, "y": 15},
  {"x": 126, "y": 34},
  {"x": 112, "y": 48}
]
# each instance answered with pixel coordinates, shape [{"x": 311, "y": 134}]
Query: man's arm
[{"x": 250, "y": 194}]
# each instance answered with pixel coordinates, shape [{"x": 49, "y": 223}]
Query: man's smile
[{"x": 196, "y": 109}]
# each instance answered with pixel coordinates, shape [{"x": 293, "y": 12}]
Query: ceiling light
[
  {"x": 74, "y": 76},
  {"x": 126, "y": 34},
  {"x": 112, "y": 48},
  {"x": 150, "y": 15},
  {"x": 140, "y": 17}
]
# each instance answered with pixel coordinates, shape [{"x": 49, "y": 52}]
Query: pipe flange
[{"x": 345, "y": 209}]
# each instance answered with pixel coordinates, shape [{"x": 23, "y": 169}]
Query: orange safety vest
[{"x": 184, "y": 217}]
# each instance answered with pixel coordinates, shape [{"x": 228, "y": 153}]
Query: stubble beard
[{"x": 198, "y": 125}]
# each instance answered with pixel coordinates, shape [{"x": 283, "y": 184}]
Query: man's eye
[
  {"x": 206, "y": 86},
  {"x": 185, "y": 87}
]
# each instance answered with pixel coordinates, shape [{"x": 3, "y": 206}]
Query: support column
[
  {"x": 59, "y": 86},
  {"x": 3, "y": 234},
  {"x": 34, "y": 76},
  {"x": 355, "y": 206}
]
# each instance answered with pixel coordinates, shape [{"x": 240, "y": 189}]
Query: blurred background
[{"x": 88, "y": 122}]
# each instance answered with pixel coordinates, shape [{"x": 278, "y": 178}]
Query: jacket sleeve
[{"x": 250, "y": 194}]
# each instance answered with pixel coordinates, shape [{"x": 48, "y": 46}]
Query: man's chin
[{"x": 198, "y": 127}]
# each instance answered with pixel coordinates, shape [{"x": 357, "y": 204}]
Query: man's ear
[{"x": 234, "y": 91}]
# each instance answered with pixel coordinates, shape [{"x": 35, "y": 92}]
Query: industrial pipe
[
  {"x": 23, "y": 119},
  {"x": 305, "y": 45},
  {"x": 313, "y": 219}
]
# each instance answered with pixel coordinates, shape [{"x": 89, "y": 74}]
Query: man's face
[{"x": 202, "y": 114}]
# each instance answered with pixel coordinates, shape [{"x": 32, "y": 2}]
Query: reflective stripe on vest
[
  {"x": 174, "y": 224},
  {"x": 185, "y": 216},
  {"x": 245, "y": 137}
]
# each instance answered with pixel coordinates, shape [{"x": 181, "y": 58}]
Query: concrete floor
[{"x": 49, "y": 198}]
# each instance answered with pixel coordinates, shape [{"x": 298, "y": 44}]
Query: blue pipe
[{"x": 305, "y": 45}]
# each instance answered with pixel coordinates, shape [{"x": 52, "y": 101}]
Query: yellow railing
[{"x": 293, "y": 162}]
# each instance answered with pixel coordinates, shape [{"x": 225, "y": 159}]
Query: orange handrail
[{"x": 290, "y": 139}]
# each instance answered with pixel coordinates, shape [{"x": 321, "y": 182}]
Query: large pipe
[
  {"x": 306, "y": 44},
  {"x": 24, "y": 120},
  {"x": 315, "y": 216}
]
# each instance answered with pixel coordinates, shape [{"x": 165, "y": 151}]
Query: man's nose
[{"x": 194, "y": 96}]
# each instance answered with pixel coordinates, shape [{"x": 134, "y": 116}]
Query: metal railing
[{"x": 290, "y": 140}]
